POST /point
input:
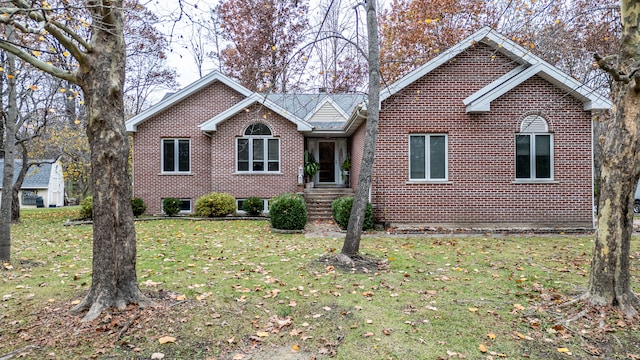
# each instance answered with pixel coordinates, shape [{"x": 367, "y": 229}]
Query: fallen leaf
[
  {"x": 366, "y": 335},
  {"x": 295, "y": 348},
  {"x": 482, "y": 348},
  {"x": 158, "y": 356},
  {"x": 167, "y": 339},
  {"x": 564, "y": 351},
  {"x": 491, "y": 336},
  {"x": 238, "y": 357},
  {"x": 473, "y": 309},
  {"x": 262, "y": 333}
]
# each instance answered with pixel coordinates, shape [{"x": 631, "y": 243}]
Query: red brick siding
[
  {"x": 481, "y": 186},
  {"x": 179, "y": 121},
  {"x": 223, "y": 158}
]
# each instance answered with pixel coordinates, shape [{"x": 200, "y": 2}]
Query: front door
[{"x": 327, "y": 159}]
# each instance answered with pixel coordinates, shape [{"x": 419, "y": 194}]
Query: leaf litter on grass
[{"x": 223, "y": 284}]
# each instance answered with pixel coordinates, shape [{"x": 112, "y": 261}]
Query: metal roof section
[
  {"x": 211, "y": 124},
  {"x": 175, "y": 98}
]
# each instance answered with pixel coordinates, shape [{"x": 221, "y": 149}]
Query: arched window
[
  {"x": 534, "y": 150},
  {"x": 258, "y": 150}
]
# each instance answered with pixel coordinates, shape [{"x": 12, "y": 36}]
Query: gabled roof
[
  {"x": 211, "y": 124},
  {"x": 37, "y": 177},
  {"x": 530, "y": 65},
  {"x": 175, "y": 98}
]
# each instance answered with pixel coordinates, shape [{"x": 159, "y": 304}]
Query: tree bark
[
  {"x": 9, "y": 157},
  {"x": 609, "y": 279},
  {"x": 351, "y": 244},
  {"x": 15, "y": 191},
  {"x": 114, "y": 279}
]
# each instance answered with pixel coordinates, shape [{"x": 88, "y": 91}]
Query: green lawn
[{"x": 235, "y": 290}]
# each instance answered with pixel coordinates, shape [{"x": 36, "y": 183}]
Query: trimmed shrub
[
  {"x": 253, "y": 205},
  {"x": 215, "y": 204},
  {"x": 86, "y": 208},
  {"x": 138, "y": 206},
  {"x": 288, "y": 212},
  {"x": 171, "y": 206},
  {"x": 341, "y": 210}
]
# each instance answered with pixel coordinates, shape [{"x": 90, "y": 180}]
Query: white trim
[
  {"x": 176, "y": 152},
  {"x": 427, "y": 158},
  {"x": 480, "y": 100},
  {"x": 265, "y": 161},
  {"x": 211, "y": 124},
  {"x": 533, "y": 176},
  {"x": 192, "y": 88}
]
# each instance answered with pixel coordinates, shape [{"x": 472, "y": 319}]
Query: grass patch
[{"x": 235, "y": 289}]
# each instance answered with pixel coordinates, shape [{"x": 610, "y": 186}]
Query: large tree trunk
[
  {"x": 114, "y": 280},
  {"x": 609, "y": 279},
  {"x": 351, "y": 244},
  {"x": 9, "y": 157}
]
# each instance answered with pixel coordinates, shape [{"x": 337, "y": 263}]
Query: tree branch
[
  {"x": 42, "y": 65},
  {"x": 618, "y": 75}
]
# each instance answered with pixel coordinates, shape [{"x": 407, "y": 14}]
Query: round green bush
[
  {"x": 253, "y": 205},
  {"x": 341, "y": 210},
  {"x": 171, "y": 206},
  {"x": 288, "y": 212},
  {"x": 215, "y": 204},
  {"x": 86, "y": 208},
  {"x": 138, "y": 206}
]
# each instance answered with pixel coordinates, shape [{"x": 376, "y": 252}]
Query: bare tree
[{"x": 351, "y": 244}]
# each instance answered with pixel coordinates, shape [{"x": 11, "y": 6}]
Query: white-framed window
[
  {"x": 428, "y": 157},
  {"x": 185, "y": 206},
  {"x": 534, "y": 150},
  {"x": 240, "y": 203},
  {"x": 258, "y": 151},
  {"x": 176, "y": 155}
]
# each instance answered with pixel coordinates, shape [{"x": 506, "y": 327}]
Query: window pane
[
  {"x": 273, "y": 155},
  {"x": 417, "y": 157},
  {"x": 243, "y": 155},
  {"x": 258, "y": 155},
  {"x": 183, "y": 155},
  {"x": 273, "y": 149},
  {"x": 257, "y": 129},
  {"x": 437, "y": 157},
  {"x": 258, "y": 149},
  {"x": 168, "y": 155},
  {"x": 185, "y": 205},
  {"x": 523, "y": 156},
  {"x": 543, "y": 156}
]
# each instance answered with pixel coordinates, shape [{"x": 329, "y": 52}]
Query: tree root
[
  {"x": 102, "y": 301},
  {"x": 16, "y": 352}
]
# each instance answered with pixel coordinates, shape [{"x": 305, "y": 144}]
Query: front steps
[{"x": 319, "y": 201}]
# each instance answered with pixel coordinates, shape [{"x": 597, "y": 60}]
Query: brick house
[{"x": 485, "y": 133}]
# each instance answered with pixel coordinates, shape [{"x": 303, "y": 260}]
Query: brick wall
[
  {"x": 223, "y": 144},
  {"x": 180, "y": 120},
  {"x": 481, "y": 186}
]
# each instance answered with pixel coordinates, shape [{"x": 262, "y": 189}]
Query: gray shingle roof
[
  {"x": 37, "y": 177},
  {"x": 301, "y": 105}
]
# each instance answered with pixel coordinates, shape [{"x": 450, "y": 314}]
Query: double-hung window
[
  {"x": 258, "y": 151},
  {"x": 534, "y": 150},
  {"x": 176, "y": 155},
  {"x": 428, "y": 157}
]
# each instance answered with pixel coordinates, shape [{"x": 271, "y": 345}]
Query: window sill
[
  {"x": 419, "y": 182},
  {"x": 535, "y": 181},
  {"x": 257, "y": 173},
  {"x": 177, "y": 173}
]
